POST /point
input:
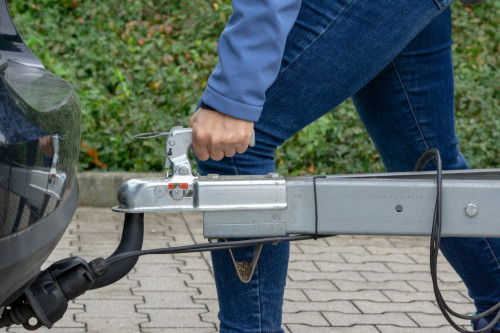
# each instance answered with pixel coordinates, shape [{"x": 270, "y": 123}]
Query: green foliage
[
  {"x": 141, "y": 66},
  {"x": 477, "y": 77}
]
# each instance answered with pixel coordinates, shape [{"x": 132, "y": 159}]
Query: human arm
[{"x": 250, "y": 51}]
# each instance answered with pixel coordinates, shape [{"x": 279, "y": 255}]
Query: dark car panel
[{"x": 39, "y": 145}]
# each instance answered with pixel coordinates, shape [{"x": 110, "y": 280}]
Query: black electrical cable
[
  {"x": 427, "y": 156},
  {"x": 207, "y": 247}
]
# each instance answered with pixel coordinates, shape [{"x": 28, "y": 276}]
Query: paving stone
[
  {"x": 323, "y": 296},
  {"x": 334, "y": 276},
  {"x": 425, "y": 286},
  {"x": 342, "y": 319},
  {"x": 105, "y": 324},
  {"x": 358, "y": 240},
  {"x": 326, "y": 266},
  {"x": 403, "y": 296},
  {"x": 116, "y": 291},
  {"x": 159, "y": 259},
  {"x": 207, "y": 291},
  {"x": 427, "y": 320},
  {"x": 300, "y": 328},
  {"x": 96, "y": 308},
  {"x": 160, "y": 271},
  {"x": 449, "y": 277},
  {"x": 382, "y": 307},
  {"x": 316, "y": 284},
  {"x": 381, "y": 277},
  {"x": 210, "y": 316},
  {"x": 167, "y": 300},
  {"x": 300, "y": 265},
  {"x": 424, "y": 258},
  {"x": 179, "y": 318},
  {"x": 421, "y": 250},
  {"x": 328, "y": 256},
  {"x": 385, "y": 285},
  {"x": 395, "y": 258},
  {"x": 407, "y": 268},
  {"x": 397, "y": 329},
  {"x": 199, "y": 275},
  {"x": 179, "y": 330},
  {"x": 310, "y": 306},
  {"x": 195, "y": 263},
  {"x": 295, "y": 295},
  {"x": 305, "y": 317},
  {"x": 295, "y": 249},
  {"x": 335, "y": 249},
  {"x": 155, "y": 284},
  {"x": 89, "y": 240},
  {"x": 54, "y": 329}
]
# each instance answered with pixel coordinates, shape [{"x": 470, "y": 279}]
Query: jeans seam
[
  {"x": 409, "y": 104},
  {"x": 492, "y": 252},
  {"x": 260, "y": 296},
  {"x": 235, "y": 167},
  {"x": 438, "y": 4},
  {"x": 314, "y": 41}
]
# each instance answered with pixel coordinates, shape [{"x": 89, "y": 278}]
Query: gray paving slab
[{"x": 361, "y": 284}]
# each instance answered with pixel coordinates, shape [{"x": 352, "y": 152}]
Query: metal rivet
[
  {"x": 159, "y": 191},
  {"x": 399, "y": 208},
  {"x": 471, "y": 210},
  {"x": 171, "y": 142}
]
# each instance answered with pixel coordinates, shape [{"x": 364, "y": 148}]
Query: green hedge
[{"x": 140, "y": 66}]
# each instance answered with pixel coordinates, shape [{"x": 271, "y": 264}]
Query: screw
[
  {"x": 171, "y": 142},
  {"x": 471, "y": 210},
  {"x": 159, "y": 191}
]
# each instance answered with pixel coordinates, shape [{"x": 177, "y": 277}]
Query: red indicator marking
[
  {"x": 170, "y": 186},
  {"x": 183, "y": 186}
]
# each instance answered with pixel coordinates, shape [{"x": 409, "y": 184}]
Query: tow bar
[{"x": 270, "y": 208}]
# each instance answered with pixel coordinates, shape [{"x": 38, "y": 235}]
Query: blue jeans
[{"x": 393, "y": 58}]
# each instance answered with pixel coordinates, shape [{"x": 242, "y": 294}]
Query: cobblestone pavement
[{"x": 356, "y": 284}]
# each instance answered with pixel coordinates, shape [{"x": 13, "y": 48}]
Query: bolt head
[
  {"x": 177, "y": 194},
  {"x": 471, "y": 210},
  {"x": 183, "y": 170},
  {"x": 159, "y": 191}
]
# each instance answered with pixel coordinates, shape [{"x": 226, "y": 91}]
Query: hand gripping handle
[{"x": 179, "y": 141}]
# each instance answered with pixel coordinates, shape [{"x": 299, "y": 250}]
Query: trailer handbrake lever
[{"x": 177, "y": 146}]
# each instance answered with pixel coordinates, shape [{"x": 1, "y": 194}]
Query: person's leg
[
  {"x": 334, "y": 49},
  {"x": 408, "y": 108}
]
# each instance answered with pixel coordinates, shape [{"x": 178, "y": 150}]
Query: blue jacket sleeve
[{"x": 250, "y": 51}]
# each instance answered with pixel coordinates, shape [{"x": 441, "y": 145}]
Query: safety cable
[{"x": 427, "y": 156}]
